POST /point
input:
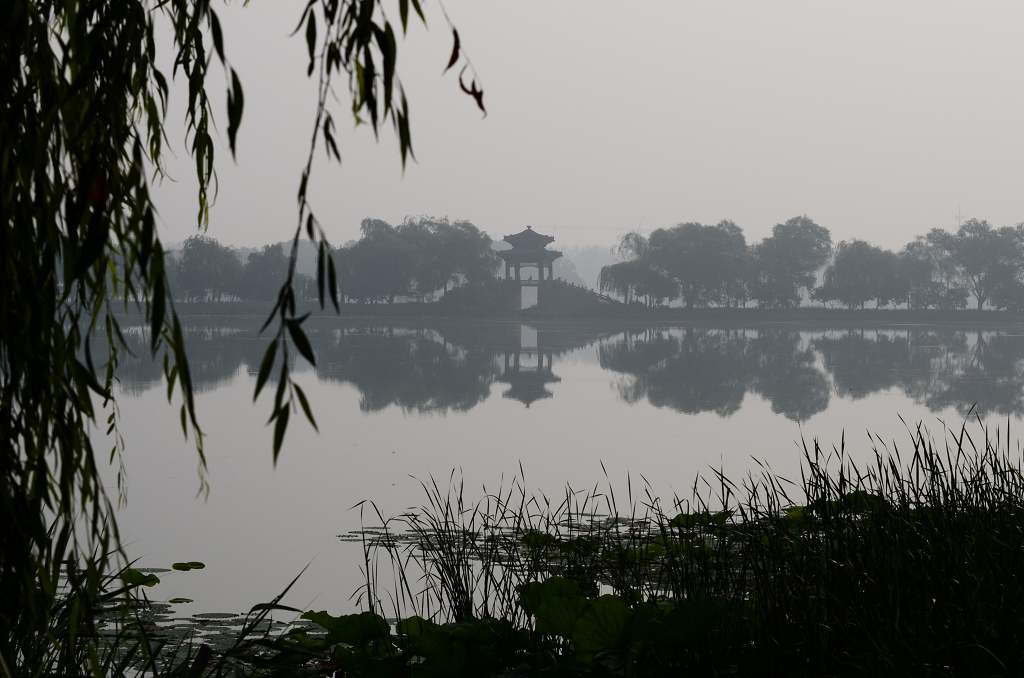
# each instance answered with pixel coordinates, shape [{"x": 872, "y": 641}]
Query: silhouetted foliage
[
  {"x": 82, "y": 130},
  {"x": 702, "y": 266},
  {"x": 697, "y": 265},
  {"x": 206, "y": 270},
  {"x": 927, "y": 276},
  {"x": 860, "y": 273},
  {"x": 702, "y": 260},
  {"x": 262, "y": 270},
  {"x": 904, "y": 565},
  {"x": 984, "y": 260},
  {"x": 713, "y": 266},
  {"x": 415, "y": 259},
  {"x": 785, "y": 263},
  {"x": 636, "y": 281}
]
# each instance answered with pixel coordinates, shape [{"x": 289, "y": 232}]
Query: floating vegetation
[
  {"x": 215, "y": 615},
  {"x": 191, "y": 565},
  {"x": 908, "y": 564}
]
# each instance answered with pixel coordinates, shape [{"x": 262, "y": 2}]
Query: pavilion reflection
[
  {"x": 454, "y": 365},
  {"x": 528, "y": 372}
]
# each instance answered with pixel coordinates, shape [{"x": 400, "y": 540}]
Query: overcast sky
[{"x": 880, "y": 119}]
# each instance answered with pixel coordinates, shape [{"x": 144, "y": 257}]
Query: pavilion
[{"x": 529, "y": 248}]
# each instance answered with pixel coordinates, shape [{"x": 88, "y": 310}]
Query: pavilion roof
[
  {"x": 529, "y": 239},
  {"x": 527, "y": 396},
  {"x": 528, "y": 256}
]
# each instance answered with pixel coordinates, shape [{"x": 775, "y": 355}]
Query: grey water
[{"x": 398, "y": 402}]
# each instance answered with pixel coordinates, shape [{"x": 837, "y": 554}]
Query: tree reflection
[
  {"x": 990, "y": 379},
  {"x": 693, "y": 371},
  {"x": 454, "y": 366},
  {"x": 417, "y": 370},
  {"x": 863, "y": 364},
  {"x": 701, "y": 370},
  {"x": 215, "y": 356},
  {"x": 787, "y": 375}
]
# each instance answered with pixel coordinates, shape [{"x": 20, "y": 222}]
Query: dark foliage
[
  {"x": 904, "y": 566},
  {"x": 417, "y": 258},
  {"x": 82, "y": 131},
  {"x": 703, "y": 266}
]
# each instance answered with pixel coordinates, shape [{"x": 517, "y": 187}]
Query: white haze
[{"x": 878, "y": 118}]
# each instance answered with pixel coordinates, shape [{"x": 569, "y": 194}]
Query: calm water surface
[{"x": 401, "y": 402}]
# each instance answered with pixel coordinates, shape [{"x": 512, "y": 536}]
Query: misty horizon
[{"x": 879, "y": 121}]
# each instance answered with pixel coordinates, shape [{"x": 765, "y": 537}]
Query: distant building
[{"x": 529, "y": 248}]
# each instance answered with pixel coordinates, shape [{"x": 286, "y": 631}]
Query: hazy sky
[{"x": 878, "y": 118}]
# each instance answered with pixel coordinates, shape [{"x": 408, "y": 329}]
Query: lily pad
[
  {"x": 133, "y": 577},
  {"x": 190, "y": 565}
]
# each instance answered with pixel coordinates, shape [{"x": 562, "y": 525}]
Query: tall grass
[{"x": 912, "y": 562}]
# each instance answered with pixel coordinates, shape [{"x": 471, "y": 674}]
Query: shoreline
[{"x": 722, "y": 317}]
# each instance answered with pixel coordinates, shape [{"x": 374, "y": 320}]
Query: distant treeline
[
  {"x": 415, "y": 259},
  {"x": 702, "y": 266},
  {"x": 691, "y": 264}
]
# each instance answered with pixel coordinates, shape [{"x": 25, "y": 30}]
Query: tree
[
  {"x": 467, "y": 252},
  {"x": 416, "y": 258},
  {"x": 737, "y": 265},
  {"x": 1009, "y": 295},
  {"x": 637, "y": 278},
  {"x": 785, "y": 263},
  {"x": 460, "y": 252},
  {"x": 637, "y": 281},
  {"x": 860, "y": 273},
  {"x": 982, "y": 258},
  {"x": 381, "y": 265},
  {"x": 82, "y": 129},
  {"x": 918, "y": 270},
  {"x": 633, "y": 245},
  {"x": 703, "y": 260},
  {"x": 262, "y": 270},
  {"x": 207, "y": 270},
  {"x": 423, "y": 252}
]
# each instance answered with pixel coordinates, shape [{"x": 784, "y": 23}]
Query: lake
[{"x": 398, "y": 402}]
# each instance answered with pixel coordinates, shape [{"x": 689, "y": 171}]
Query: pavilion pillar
[
  {"x": 540, "y": 279},
  {"x": 508, "y": 271},
  {"x": 518, "y": 272}
]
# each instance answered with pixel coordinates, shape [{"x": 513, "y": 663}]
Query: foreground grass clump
[{"x": 911, "y": 565}]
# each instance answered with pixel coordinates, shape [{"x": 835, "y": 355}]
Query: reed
[{"x": 910, "y": 563}]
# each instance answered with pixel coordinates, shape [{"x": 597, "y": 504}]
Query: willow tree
[
  {"x": 82, "y": 134},
  {"x": 637, "y": 280}
]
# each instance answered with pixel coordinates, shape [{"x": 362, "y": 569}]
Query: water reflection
[
  {"x": 454, "y": 367},
  {"x": 706, "y": 370},
  {"x": 417, "y": 370}
]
